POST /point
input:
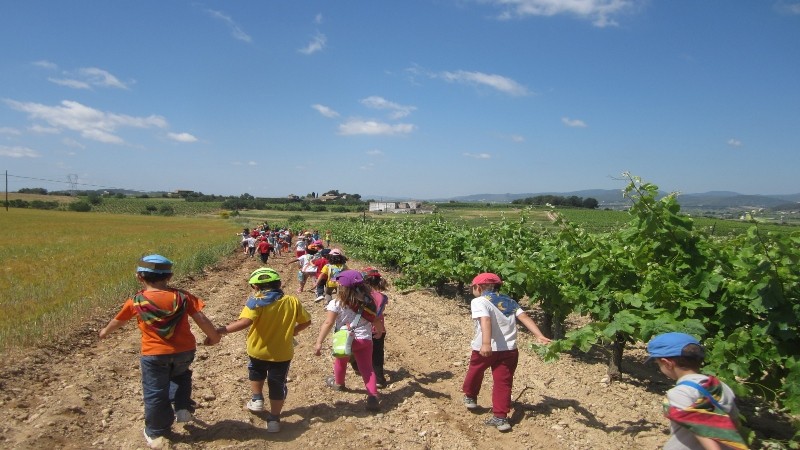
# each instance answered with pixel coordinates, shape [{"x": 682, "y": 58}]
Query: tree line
[{"x": 558, "y": 200}]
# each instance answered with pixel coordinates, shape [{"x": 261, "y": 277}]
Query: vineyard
[
  {"x": 156, "y": 206},
  {"x": 655, "y": 272}
]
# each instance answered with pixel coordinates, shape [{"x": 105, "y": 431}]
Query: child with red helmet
[{"x": 495, "y": 317}]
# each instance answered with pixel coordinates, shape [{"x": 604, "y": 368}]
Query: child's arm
[
  {"x": 533, "y": 328},
  {"x": 236, "y": 325},
  {"x": 212, "y": 336},
  {"x": 112, "y": 325},
  {"x": 300, "y": 327},
  {"x": 486, "y": 336},
  {"x": 708, "y": 443},
  {"x": 330, "y": 319}
]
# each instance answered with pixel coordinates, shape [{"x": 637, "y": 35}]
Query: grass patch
[{"x": 57, "y": 268}]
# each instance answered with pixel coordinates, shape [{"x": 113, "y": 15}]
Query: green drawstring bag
[{"x": 343, "y": 339}]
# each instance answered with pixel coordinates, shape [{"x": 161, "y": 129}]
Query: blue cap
[
  {"x": 155, "y": 264},
  {"x": 669, "y": 345}
]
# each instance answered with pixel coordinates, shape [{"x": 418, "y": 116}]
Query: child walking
[
  {"x": 272, "y": 319},
  {"x": 354, "y": 301},
  {"x": 326, "y": 280},
  {"x": 494, "y": 346},
  {"x": 701, "y": 409},
  {"x": 373, "y": 278},
  {"x": 168, "y": 345}
]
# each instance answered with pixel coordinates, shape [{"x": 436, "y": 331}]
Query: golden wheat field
[{"x": 58, "y": 267}]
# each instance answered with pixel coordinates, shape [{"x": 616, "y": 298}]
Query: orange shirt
[{"x": 182, "y": 339}]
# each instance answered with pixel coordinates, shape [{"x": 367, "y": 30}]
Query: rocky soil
[{"x": 84, "y": 393}]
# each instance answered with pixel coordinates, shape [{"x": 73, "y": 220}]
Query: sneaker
[
  {"x": 155, "y": 442},
  {"x": 330, "y": 381},
  {"x": 501, "y": 423},
  {"x": 372, "y": 403},
  {"x": 183, "y": 416},
  {"x": 470, "y": 402},
  {"x": 273, "y": 424},
  {"x": 255, "y": 405},
  {"x": 319, "y": 298},
  {"x": 381, "y": 383}
]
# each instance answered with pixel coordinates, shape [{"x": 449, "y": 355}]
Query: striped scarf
[
  {"x": 705, "y": 417},
  {"x": 162, "y": 321},
  {"x": 507, "y": 305}
]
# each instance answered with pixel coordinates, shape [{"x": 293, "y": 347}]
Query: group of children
[{"x": 701, "y": 408}]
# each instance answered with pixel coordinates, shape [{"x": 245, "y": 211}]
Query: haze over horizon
[{"x": 425, "y": 99}]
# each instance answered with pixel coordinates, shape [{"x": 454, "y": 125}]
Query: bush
[{"x": 80, "y": 206}]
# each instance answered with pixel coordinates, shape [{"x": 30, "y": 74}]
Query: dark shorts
[{"x": 274, "y": 372}]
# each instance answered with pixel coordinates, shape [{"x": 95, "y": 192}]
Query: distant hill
[{"x": 610, "y": 198}]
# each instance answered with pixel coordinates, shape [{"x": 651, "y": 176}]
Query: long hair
[{"x": 353, "y": 296}]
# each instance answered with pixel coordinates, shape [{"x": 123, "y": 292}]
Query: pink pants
[
  {"x": 362, "y": 352},
  {"x": 503, "y": 365}
]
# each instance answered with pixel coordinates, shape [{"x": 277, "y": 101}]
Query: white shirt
[
  {"x": 504, "y": 329},
  {"x": 345, "y": 316}
]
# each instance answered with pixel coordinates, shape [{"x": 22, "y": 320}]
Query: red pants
[{"x": 503, "y": 365}]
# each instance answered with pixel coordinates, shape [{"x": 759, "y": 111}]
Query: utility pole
[{"x": 6, "y": 190}]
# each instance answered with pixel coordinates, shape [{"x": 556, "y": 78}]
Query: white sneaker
[
  {"x": 319, "y": 298},
  {"x": 183, "y": 416},
  {"x": 158, "y": 442},
  {"x": 255, "y": 405},
  {"x": 273, "y": 425}
]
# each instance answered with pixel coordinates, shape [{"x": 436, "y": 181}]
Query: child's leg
[
  {"x": 276, "y": 382},
  {"x": 339, "y": 370},
  {"x": 377, "y": 358},
  {"x": 362, "y": 351},
  {"x": 503, "y": 368},
  {"x": 477, "y": 366},
  {"x": 181, "y": 378},
  {"x": 158, "y": 414}
]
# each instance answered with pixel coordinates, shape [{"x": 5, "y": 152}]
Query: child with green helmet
[{"x": 272, "y": 319}]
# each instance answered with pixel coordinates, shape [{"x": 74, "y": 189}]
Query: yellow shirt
[
  {"x": 270, "y": 336},
  {"x": 330, "y": 271}
]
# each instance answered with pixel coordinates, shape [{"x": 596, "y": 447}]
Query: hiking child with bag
[
  {"x": 168, "y": 345},
  {"x": 495, "y": 317},
  {"x": 272, "y": 320},
  {"x": 353, "y": 313},
  {"x": 326, "y": 281},
  {"x": 373, "y": 278}
]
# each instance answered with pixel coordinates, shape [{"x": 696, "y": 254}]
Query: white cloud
[
  {"x": 18, "y": 152},
  {"x": 374, "y": 152},
  {"x": 397, "y": 111},
  {"x": 317, "y": 44},
  {"x": 39, "y": 129},
  {"x": 86, "y": 77},
  {"x": 734, "y": 142},
  {"x": 89, "y": 122},
  {"x": 517, "y": 138},
  {"x": 236, "y": 31},
  {"x": 574, "y": 123},
  {"x": 252, "y": 163},
  {"x": 325, "y": 111},
  {"x": 10, "y": 131},
  {"x": 367, "y": 166},
  {"x": 478, "y": 155},
  {"x": 600, "y": 12},
  {"x": 182, "y": 137},
  {"x": 318, "y": 19},
  {"x": 69, "y": 142},
  {"x": 788, "y": 7},
  {"x": 371, "y": 127},
  {"x": 503, "y": 84},
  {"x": 46, "y": 64}
]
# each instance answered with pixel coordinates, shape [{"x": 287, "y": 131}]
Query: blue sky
[{"x": 415, "y": 98}]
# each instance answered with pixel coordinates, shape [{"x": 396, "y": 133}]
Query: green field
[{"x": 58, "y": 267}]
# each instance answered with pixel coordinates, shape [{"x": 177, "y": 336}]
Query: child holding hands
[{"x": 272, "y": 320}]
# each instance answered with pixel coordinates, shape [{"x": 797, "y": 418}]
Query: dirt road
[{"x": 85, "y": 393}]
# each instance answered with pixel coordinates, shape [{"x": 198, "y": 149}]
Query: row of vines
[{"x": 655, "y": 273}]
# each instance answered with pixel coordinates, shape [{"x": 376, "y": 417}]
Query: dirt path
[{"x": 85, "y": 393}]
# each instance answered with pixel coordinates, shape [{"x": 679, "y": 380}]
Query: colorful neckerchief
[
  {"x": 262, "y": 298},
  {"x": 504, "y": 303},
  {"x": 705, "y": 417},
  {"x": 162, "y": 321}
]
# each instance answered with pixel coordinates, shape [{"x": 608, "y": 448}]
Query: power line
[{"x": 74, "y": 183}]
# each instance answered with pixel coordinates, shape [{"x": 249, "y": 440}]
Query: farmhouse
[{"x": 412, "y": 207}]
